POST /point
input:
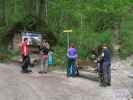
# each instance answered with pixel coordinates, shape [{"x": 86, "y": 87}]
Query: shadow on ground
[{"x": 88, "y": 75}]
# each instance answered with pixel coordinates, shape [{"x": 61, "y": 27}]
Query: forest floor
[{"x": 56, "y": 86}]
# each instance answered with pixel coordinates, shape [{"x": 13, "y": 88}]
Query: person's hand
[
  {"x": 41, "y": 52},
  {"x": 25, "y": 54},
  {"x": 95, "y": 61}
]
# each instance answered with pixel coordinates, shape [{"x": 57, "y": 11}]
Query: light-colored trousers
[{"x": 44, "y": 64}]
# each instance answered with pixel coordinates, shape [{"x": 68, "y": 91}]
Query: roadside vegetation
[{"x": 93, "y": 22}]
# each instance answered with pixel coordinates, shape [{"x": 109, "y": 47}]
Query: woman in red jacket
[{"x": 24, "y": 50}]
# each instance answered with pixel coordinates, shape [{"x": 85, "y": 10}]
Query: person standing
[
  {"x": 24, "y": 50},
  {"x": 50, "y": 57},
  {"x": 72, "y": 56},
  {"x": 44, "y": 49},
  {"x": 106, "y": 66}
]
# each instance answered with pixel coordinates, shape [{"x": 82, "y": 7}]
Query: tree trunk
[
  {"x": 37, "y": 8},
  {"x": 81, "y": 28},
  {"x": 6, "y": 12},
  {"x": 46, "y": 11},
  {"x": 2, "y": 12}
]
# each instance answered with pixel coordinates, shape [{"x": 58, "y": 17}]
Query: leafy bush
[
  {"x": 126, "y": 36},
  {"x": 59, "y": 56},
  {"x": 6, "y": 55},
  {"x": 87, "y": 41}
]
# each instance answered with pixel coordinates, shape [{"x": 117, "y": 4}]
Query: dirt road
[{"x": 55, "y": 86}]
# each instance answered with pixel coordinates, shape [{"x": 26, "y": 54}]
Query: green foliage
[
  {"x": 6, "y": 55},
  {"x": 92, "y": 21},
  {"x": 92, "y": 40},
  {"x": 59, "y": 56},
  {"x": 126, "y": 36}
]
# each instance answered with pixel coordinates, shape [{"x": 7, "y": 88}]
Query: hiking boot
[
  {"x": 41, "y": 72},
  {"x": 29, "y": 70},
  {"x": 108, "y": 84},
  {"x": 25, "y": 71}
]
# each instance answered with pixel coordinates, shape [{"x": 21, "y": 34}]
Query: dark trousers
[
  {"x": 100, "y": 72},
  {"x": 72, "y": 69},
  {"x": 25, "y": 63},
  {"x": 107, "y": 72}
]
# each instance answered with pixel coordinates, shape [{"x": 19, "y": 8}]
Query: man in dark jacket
[{"x": 106, "y": 66}]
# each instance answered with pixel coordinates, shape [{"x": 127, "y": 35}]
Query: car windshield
[{"x": 31, "y": 34}]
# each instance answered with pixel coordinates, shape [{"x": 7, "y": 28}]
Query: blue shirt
[{"x": 106, "y": 57}]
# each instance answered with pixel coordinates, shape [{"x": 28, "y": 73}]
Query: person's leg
[
  {"x": 22, "y": 56},
  {"x": 46, "y": 66},
  {"x": 105, "y": 75},
  {"x": 109, "y": 75},
  {"x": 75, "y": 69},
  {"x": 98, "y": 67},
  {"x": 100, "y": 73},
  {"x": 68, "y": 67},
  {"x": 25, "y": 65},
  {"x": 102, "y": 79},
  {"x": 41, "y": 65},
  {"x": 76, "y": 63},
  {"x": 29, "y": 61}
]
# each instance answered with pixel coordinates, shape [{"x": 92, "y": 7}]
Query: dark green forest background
[{"x": 93, "y": 22}]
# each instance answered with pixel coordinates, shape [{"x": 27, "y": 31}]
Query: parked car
[{"x": 34, "y": 38}]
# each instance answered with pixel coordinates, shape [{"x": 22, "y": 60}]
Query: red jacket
[{"x": 24, "y": 49}]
